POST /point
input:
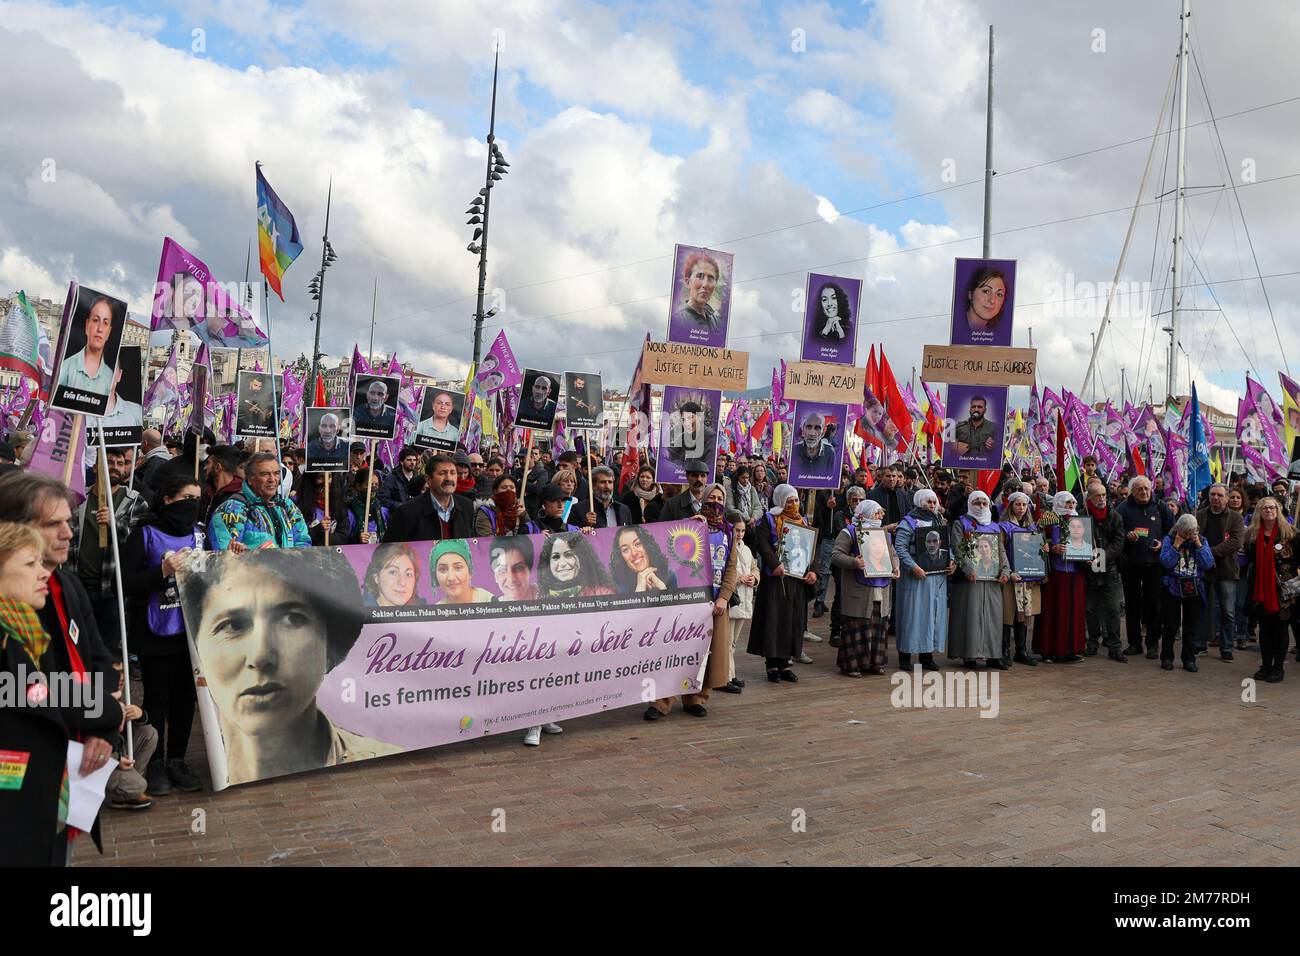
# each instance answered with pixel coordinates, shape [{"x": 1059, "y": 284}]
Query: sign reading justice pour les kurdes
[{"x": 315, "y": 657}]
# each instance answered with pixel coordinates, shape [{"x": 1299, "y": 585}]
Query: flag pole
[
  {"x": 325, "y": 519},
  {"x": 270, "y": 365}
]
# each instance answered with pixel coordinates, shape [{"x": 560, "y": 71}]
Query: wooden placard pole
[
  {"x": 102, "y": 492},
  {"x": 121, "y": 601},
  {"x": 365, "y": 515},
  {"x": 78, "y": 422},
  {"x": 325, "y": 519},
  {"x": 591, "y": 481},
  {"x": 528, "y": 456}
]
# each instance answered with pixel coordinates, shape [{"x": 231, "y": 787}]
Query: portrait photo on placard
[
  {"x": 798, "y": 549},
  {"x": 188, "y": 299},
  {"x": 328, "y": 438},
  {"x": 930, "y": 549},
  {"x": 986, "y": 557},
  {"x": 1027, "y": 558},
  {"x": 817, "y": 445},
  {"x": 91, "y": 338},
  {"x": 873, "y": 543},
  {"x": 123, "y": 420},
  {"x": 374, "y": 406},
  {"x": 440, "y": 419},
  {"x": 688, "y": 431},
  {"x": 830, "y": 324},
  {"x": 584, "y": 401},
  {"x": 255, "y": 405},
  {"x": 1076, "y": 535},
  {"x": 538, "y": 400},
  {"x": 701, "y": 296},
  {"x": 983, "y": 301},
  {"x": 978, "y": 419}
]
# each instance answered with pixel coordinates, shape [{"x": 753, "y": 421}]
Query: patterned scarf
[{"x": 19, "y": 621}]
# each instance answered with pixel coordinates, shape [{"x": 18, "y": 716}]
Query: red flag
[
  {"x": 320, "y": 390},
  {"x": 895, "y": 407},
  {"x": 988, "y": 481},
  {"x": 631, "y": 465},
  {"x": 873, "y": 374},
  {"x": 759, "y": 428},
  {"x": 1136, "y": 454}
]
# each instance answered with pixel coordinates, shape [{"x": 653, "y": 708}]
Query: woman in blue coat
[{"x": 921, "y": 617}]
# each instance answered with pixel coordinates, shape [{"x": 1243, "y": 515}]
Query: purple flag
[
  {"x": 498, "y": 369},
  {"x": 54, "y": 447}
]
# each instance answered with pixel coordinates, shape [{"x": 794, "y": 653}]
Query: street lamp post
[
  {"x": 478, "y": 211},
  {"x": 317, "y": 287}
]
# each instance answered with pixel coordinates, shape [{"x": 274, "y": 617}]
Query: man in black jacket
[
  {"x": 610, "y": 512},
  {"x": 1101, "y": 608},
  {"x": 890, "y": 495},
  {"x": 43, "y": 503},
  {"x": 395, "y": 490},
  {"x": 438, "y": 514},
  {"x": 688, "y": 503},
  {"x": 1146, "y": 522}
]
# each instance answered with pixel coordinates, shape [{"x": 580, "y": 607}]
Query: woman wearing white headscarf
[
  {"x": 1063, "y": 626},
  {"x": 842, "y": 518},
  {"x": 864, "y": 597},
  {"x": 921, "y": 614},
  {"x": 781, "y": 604},
  {"x": 975, "y": 619}
]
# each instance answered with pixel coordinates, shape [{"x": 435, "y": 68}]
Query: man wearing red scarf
[{"x": 1103, "y": 587}]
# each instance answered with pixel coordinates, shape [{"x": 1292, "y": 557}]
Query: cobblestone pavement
[{"x": 1183, "y": 770}]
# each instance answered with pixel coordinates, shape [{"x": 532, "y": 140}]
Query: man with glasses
[
  {"x": 1103, "y": 588},
  {"x": 1225, "y": 532},
  {"x": 477, "y": 471}
]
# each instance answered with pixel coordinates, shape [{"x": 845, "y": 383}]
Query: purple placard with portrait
[
  {"x": 830, "y": 321},
  {"x": 817, "y": 445},
  {"x": 498, "y": 369},
  {"x": 700, "y": 302},
  {"x": 975, "y": 440},
  {"x": 688, "y": 431},
  {"x": 983, "y": 301}
]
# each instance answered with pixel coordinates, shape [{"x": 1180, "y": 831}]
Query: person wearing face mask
[
  {"x": 865, "y": 602},
  {"x": 150, "y": 559},
  {"x": 975, "y": 618},
  {"x": 1061, "y": 637},
  {"x": 921, "y": 625},
  {"x": 781, "y": 605}
]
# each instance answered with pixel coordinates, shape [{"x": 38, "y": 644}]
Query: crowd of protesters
[{"x": 1176, "y": 582}]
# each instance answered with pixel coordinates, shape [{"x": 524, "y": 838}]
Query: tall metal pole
[
  {"x": 320, "y": 303},
  {"x": 1184, "y": 24},
  {"x": 988, "y": 152},
  {"x": 487, "y": 205},
  {"x": 374, "y": 302}
]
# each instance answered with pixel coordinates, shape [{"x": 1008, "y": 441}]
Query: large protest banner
[{"x": 314, "y": 657}]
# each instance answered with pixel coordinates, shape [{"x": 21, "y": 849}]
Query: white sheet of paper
[{"x": 85, "y": 794}]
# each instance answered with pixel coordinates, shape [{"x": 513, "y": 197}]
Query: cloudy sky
[{"x": 834, "y": 137}]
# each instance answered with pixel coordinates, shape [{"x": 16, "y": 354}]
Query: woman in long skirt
[
  {"x": 864, "y": 599},
  {"x": 921, "y": 616},
  {"x": 1063, "y": 626},
  {"x": 781, "y": 604},
  {"x": 975, "y": 619},
  {"x": 1021, "y": 599}
]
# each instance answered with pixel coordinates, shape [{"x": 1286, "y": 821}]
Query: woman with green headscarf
[{"x": 453, "y": 571}]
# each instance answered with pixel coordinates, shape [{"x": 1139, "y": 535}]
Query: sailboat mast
[{"x": 1184, "y": 28}]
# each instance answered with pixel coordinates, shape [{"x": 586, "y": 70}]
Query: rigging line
[
  {"x": 1222, "y": 314},
  {"x": 861, "y": 259},
  {"x": 1128, "y": 239},
  {"x": 460, "y": 364},
  {"x": 849, "y": 212},
  {"x": 1155, "y": 245},
  {"x": 1250, "y": 243}
]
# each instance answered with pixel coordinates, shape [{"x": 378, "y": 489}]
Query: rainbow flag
[{"x": 277, "y": 234}]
